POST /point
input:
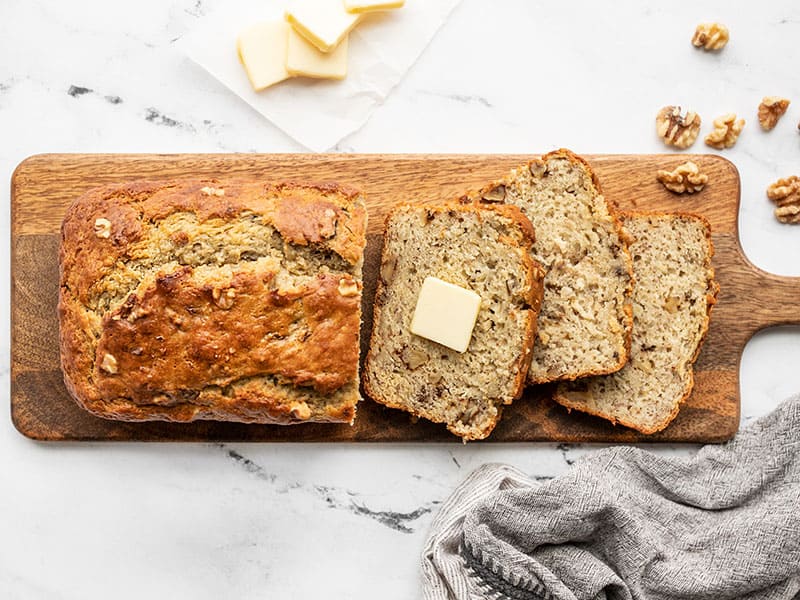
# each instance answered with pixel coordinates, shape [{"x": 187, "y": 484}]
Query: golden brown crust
[
  {"x": 535, "y": 287},
  {"x": 533, "y": 290},
  {"x": 150, "y": 331},
  {"x": 711, "y": 299}
]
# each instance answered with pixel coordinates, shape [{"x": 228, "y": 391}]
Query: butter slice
[
  {"x": 363, "y": 6},
  {"x": 262, "y": 52},
  {"x": 304, "y": 59},
  {"x": 445, "y": 313},
  {"x": 324, "y": 23}
]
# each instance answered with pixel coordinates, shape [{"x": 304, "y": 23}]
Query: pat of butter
[
  {"x": 304, "y": 59},
  {"x": 262, "y": 52},
  {"x": 324, "y": 23},
  {"x": 445, "y": 313},
  {"x": 362, "y": 6}
]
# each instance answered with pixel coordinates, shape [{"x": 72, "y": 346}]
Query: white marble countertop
[{"x": 303, "y": 521}]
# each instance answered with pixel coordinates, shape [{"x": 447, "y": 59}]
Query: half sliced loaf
[
  {"x": 480, "y": 248},
  {"x": 675, "y": 291},
  {"x": 585, "y": 323}
]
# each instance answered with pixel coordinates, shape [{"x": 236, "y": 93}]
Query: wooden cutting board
[{"x": 43, "y": 185}]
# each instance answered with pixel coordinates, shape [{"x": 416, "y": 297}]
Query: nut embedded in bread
[
  {"x": 674, "y": 293},
  {"x": 227, "y": 300},
  {"x": 585, "y": 322},
  {"x": 483, "y": 249}
]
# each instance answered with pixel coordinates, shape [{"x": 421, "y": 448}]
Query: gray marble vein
[
  {"x": 249, "y": 466},
  {"x": 340, "y": 499},
  {"x": 77, "y": 90},
  {"x": 153, "y": 115},
  {"x": 468, "y": 99},
  {"x": 565, "y": 449},
  {"x": 196, "y": 10}
]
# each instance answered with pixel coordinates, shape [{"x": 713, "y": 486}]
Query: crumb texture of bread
[
  {"x": 672, "y": 301},
  {"x": 483, "y": 249},
  {"x": 585, "y": 323},
  {"x": 226, "y": 300}
]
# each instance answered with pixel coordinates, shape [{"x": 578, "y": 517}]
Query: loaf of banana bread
[{"x": 228, "y": 300}]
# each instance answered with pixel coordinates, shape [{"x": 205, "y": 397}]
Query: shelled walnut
[
  {"x": 711, "y": 36},
  {"x": 676, "y": 130},
  {"x": 494, "y": 194},
  {"x": 109, "y": 364},
  {"x": 414, "y": 357},
  {"x": 770, "y": 110},
  {"x": 786, "y": 194},
  {"x": 684, "y": 179},
  {"x": 102, "y": 228},
  {"x": 348, "y": 288},
  {"x": 726, "y": 131}
]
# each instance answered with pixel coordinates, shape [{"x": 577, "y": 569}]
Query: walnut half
[
  {"x": 676, "y": 130},
  {"x": 770, "y": 110},
  {"x": 301, "y": 411},
  {"x": 347, "y": 287},
  {"x": 223, "y": 297},
  {"x": 684, "y": 179},
  {"x": 102, "y": 228},
  {"x": 212, "y": 191},
  {"x": 495, "y": 193},
  {"x": 786, "y": 194},
  {"x": 711, "y": 36},
  {"x": 414, "y": 357},
  {"x": 726, "y": 131},
  {"x": 109, "y": 364}
]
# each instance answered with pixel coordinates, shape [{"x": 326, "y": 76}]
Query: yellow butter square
[
  {"x": 304, "y": 59},
  {"x": 445, "y": 313},
  {"x": 324, "y": 23},
  {"x": 262, "y": 52},
  {"x": 363, "y": 6}
]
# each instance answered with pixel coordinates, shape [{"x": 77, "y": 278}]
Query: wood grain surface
[{"x": 43, "y": 185}]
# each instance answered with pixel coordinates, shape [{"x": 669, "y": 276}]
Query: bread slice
[
  {"x": 585, "y": 324},
  {"x": 486, "y": 250},
  {"x": 235, "y": 300},
  {"x": 675, "y": 291}
]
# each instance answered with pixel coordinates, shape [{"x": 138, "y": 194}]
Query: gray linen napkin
[{"x": 625, "y": 523}]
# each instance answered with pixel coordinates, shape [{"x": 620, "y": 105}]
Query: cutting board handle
[{"x": 771, "y": 299}]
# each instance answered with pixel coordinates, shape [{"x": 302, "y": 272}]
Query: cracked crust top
[{"x": 213, "y": 300}]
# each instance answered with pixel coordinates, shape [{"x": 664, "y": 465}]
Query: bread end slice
[{"x": 484, "y": 249}]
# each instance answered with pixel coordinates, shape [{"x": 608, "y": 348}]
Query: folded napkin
[
  {"x": 320, "y": 113},
  {"x": 625, "y": 523}
]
